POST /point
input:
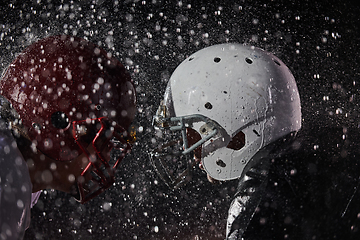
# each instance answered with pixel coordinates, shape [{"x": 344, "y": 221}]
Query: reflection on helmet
[
  {"x": 69, "y": 94},
  {"x": 239, "y": 99}
]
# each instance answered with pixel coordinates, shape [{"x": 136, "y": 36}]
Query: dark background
[{"x": 313, "y": 192}]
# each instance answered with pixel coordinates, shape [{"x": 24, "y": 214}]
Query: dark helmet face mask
[
  {"x": 109, "y": 146},
  {"x": 172, "y": 166}
]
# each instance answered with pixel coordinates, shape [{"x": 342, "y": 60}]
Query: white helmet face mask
[{"x": 238, "y": 99}]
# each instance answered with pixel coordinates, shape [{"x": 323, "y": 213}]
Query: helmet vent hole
[
  {"x": 249, "y": 60},
  {"x": 59, "y": 120},
  {"x": 256, "y": 133},
  {"x": 220, "y": 163},
  {"x": 190, "y": 59},
  {"x": 217, "y": 59},
  {"x": 237, "y": 142},
  {"x": 208, "y": 105},
  {"x": 277, "y": 62}
]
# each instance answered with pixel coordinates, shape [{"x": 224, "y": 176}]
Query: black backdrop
[{"x": 313, "y": 192}]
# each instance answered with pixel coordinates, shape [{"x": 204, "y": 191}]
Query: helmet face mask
[
  {"x": 74, "y": 99},
  {"x": 101, "y": 167},
  {"x": 180, "y": 140},
  {"x": 246, "y": 95}
]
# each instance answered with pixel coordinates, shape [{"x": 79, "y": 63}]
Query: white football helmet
[{"x": 239, "y": 99}]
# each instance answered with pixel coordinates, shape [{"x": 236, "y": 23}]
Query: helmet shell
[
  {"x": 243, "y": 89},
  {"x": 61, "y": 79}
]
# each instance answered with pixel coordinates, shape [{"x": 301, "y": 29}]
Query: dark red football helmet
[{"x": 73, "y": 98}]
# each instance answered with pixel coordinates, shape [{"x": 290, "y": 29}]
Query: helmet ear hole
[
  {"x": 220, "y": 163},
  {"x": 60, "y": 120},
  {"x": 237, "y": 142}
]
